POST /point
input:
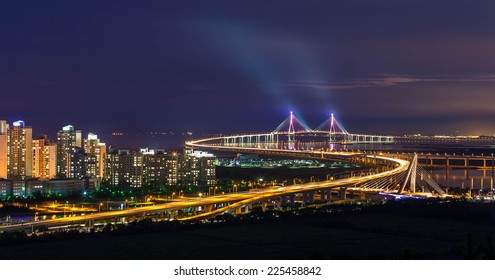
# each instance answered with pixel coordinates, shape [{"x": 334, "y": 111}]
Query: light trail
[{"x": 239, "y": 198}]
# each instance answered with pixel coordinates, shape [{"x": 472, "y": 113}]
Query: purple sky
[{"x": 240, "y": 66}]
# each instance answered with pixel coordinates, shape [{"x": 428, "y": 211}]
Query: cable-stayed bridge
[
  {"x": 396, "y": 174},
  {"x": 392, "y": 174},
  {"x": 291, "y": 131}
]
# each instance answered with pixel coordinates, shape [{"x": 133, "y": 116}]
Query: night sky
[{"x": 240, "y": 66}]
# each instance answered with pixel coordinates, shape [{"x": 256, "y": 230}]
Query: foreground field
[{"x": 413, "y": 231}]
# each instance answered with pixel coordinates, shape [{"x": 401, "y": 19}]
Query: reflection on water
[{"x": 464, "y": 178}]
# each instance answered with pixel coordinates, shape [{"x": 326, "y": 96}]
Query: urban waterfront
[{"x": 222, "y": 130}]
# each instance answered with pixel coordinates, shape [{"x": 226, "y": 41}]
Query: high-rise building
[
  {"x": 197, "y": 168},
  {"x": 125, "y": 168},
  {"x": 19, "y": 151},
  {"x": 96, "y": 153},
  {"x": 44, "y": 158},
  {"x": 67, "y": 139},
  {"x": 159, "y": 167},
  {"x": 76, "y": 163},
  {"x": 112, "y": 167},
  {"x": 3, "y": 148}
]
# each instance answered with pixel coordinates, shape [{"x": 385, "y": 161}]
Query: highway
[
  {"x": 240, "y": 199},
  {"x": 403, "y": 164}
]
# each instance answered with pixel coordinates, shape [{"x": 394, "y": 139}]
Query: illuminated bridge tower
[
  {"x": 331, "y": 133},
  {"x": 290, "y": 127},
  {"x": 291, "y": 133},
  {"x": 336, "y": 132},
  {"x": 416, "y": 174}
]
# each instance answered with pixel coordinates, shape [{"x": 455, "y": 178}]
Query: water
[
  {"x": 419, "y": 147},
  {"x": 464, "y": 178}
]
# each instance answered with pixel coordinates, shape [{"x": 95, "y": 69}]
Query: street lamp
[{"x": 99, "y": 207}]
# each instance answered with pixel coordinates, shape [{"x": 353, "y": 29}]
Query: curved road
[{"x": 240, "y": 198}]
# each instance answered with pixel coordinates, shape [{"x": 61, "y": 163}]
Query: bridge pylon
[
  {"x": 290, "y": 127},
  {"x": 411, "y": 176},
  {"x": 291, "y": 133},
  {"x": 410, "y": 180},
  {"x": 333, "y": 128}
]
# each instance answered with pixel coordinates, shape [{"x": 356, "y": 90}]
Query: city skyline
[
  {"x": 73, "y": 165},
  {"x": 180, "y": 67},
  {"x": 247, "y": 134}
]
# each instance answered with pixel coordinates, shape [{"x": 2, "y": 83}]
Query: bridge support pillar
[
  {"x": 342, "y": 193},
  {"x": 305, "y": 198},
  {"x": 312, "y": 197},
  {"x": 326, "y": 195},
  {"x": 264, "y": 205},
  {"x": 292, "y": 199}
]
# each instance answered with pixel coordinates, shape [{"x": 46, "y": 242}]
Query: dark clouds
[{"x": 239, "y": 66}]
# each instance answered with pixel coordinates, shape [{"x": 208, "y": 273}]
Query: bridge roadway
[
  {"x": 240, "y": 199},
  {"x": 282, "y": 191}
]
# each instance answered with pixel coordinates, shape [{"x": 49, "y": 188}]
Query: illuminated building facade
[
  {"x": 76, "y": 163},
  {"x": 3, "y": 148},
  {"x": 44, "y": 159},
  {"x": 96, "y": 153},
  {"x": 159, "y": 167},
  {"x": 112, "y": 168},
  {"x": 125, "y": 168},
  {"x": 5, "y": 187},
  {"x": 19, "y": 151},
  {"x": 67, "y": 139},
  {"x": 197, "y": 168}
]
